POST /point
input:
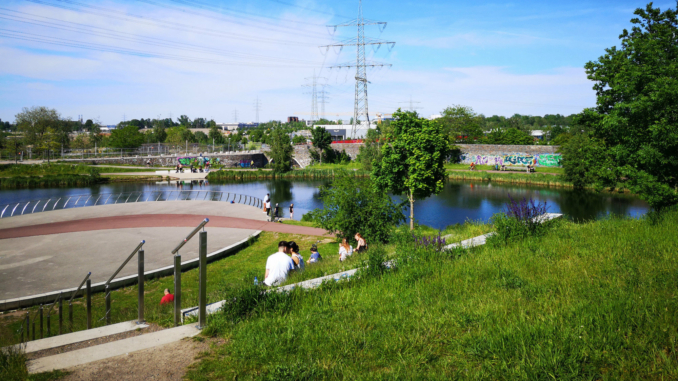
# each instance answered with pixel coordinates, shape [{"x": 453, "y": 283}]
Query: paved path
[{"x": 50, "y": 251}]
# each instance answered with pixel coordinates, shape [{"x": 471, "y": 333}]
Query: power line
[
  {"x": 114, "y": 49},
  {"x": 412, "y": 107},
  {"x": 105, "y": 12},
  {"x": 360, "y": 107},
  {"x": 109, "y": 33}
]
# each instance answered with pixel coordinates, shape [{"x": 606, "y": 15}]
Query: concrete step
[
  {"x": 77, "y": 337},
  {"x": 112, "y": 349}
]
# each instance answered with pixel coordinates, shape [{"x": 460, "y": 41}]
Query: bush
[
  {"x": 353, "y": 205},
  {"x": 520, "y": 220}
]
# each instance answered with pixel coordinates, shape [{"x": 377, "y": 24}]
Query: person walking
[
  {"x": 268, "y": 208},
  {"x": 266, "y": 200},
  {"x": 291, "y": 211}
]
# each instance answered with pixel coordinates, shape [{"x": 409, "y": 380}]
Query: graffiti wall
[
  {"x": 485, "y": 154},
  {"x": 198, "y": 160}
]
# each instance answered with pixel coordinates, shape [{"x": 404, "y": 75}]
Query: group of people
[
  {"x": 274, "y": 212},
  {"x": 346, "y": 250},
  {"x": 279, "y": 265}
]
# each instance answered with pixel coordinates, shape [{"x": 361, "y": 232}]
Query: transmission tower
[
  {"x": 411, "y": 103},
  {"x": 314, "y": 95},
  {"x": 322, "y": 98},
  {"x": 360, "y": 109},
  {"x": 235, "y": 116},
  {"x": 257, "y": 105}
]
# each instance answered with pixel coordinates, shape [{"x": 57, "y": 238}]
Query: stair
[
  {"x": 80, "y": 336},
  {"x": 112, "y": 349}
]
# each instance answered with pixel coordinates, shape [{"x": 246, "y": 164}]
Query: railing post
[
  {"x": 40, "y": 312},
  {"x": 33, "y": 335},
  {"x": 61, "y": 316},
  {"x": 28, "y": 325},
  {"x": 89, "y": 303},
  {"x": 107, "y": 293},
  {"x": 140, "y": 257},
  {"x": 202, "y": 279},
  {"x": 70, "y": 317},
  {"x": 177, "y": 289},
  {"x": 49, "y": 324}
]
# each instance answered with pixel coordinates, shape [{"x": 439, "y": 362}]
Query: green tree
[
  {"x": 88, "y": 124},
  {"x": 636, "y": 116},
  {"x": 214, "y": 133},
  {"x": 159, "y": 131},
  {"x": 321, "y": 139},
  {"x": 179, "y": 135},
  {"x": 370, "y": 151},
  {"x": 14, "y": 146},
  {"x": 126, "y": 137},
  {"x": 281, "y": 151},
  {"x": 49, "y": 142},
  {"x": 354, "y": 205},
  {"x": 298, "y": 139},
  {"x": 35, "y": 121},
  {"x": 579, "y": 155},
  {"x": 95, "y": 136},
  {"x": 413, "y": 160},
  {"x": 461, "y": 123}
]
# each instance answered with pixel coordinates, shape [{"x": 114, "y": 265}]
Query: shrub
[{"x": 519, "y": 220}]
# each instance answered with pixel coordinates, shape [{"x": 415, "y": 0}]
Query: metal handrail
[
  {"x": 79, "y": 287},
  {"x": 124, "y": 263},
  {"x": 196, "y": 230},
  {"x": 21, "y": 208}
]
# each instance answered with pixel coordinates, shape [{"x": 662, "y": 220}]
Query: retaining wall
[
  {"x": 170, "y": 161},
  {"x": 491, "y": 154}
]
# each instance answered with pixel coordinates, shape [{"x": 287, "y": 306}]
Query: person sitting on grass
[
  {"x": 473, "y": 166},
  {"x": 296, "y": 257},
  {"x": 168, "y": 298},
  {"x": 315, "y": 256},
  {"x": 345, "y": 250},
  {"x": 278, "y": 265},
  {"x": 362, "y": 244}
]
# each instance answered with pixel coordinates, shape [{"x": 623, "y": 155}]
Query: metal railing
[
  {"x": 79, "y": 201},
  {"x": 140, "y": 275}
]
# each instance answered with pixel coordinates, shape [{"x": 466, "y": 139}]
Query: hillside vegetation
[{"x": 582, "y": 301}]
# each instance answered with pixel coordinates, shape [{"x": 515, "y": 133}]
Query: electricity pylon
[
  {"x": 360, "y": 109},
  {"x": 314, "y": 96},
  {"x": 322, "y": 98},
  {"x": 257, "y": 105},
  {"x": 411, "y": 102}
]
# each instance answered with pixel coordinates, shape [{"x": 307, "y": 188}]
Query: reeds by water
[{"x": 308, "y": 174}]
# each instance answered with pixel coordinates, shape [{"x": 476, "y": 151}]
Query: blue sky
[{"x": 210, "y": 58}]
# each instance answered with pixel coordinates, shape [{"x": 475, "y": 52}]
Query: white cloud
[{"x": 108, "y": 85}]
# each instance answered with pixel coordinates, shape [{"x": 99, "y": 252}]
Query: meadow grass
[
  {"x": 296, "y": 174},
  {"x": 592, "y": 301},
  {"x": 539, "y": 179},
  {"x": 349, "y": 166}
]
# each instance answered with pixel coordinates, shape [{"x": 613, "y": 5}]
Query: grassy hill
[{"x": 585, "y": 301}]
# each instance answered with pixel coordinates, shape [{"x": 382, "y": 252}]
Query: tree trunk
[{"x": 411, "y": 198}]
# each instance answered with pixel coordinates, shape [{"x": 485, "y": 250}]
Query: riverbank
[
  {"x": 585, "y": 301},
  {"x": 308, "y": 174}
]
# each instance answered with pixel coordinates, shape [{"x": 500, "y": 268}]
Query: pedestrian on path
[
  {"x": 266, "y": 200},
  {"x": 268, "y": 208},
  {"x": 291, "y": 211}
]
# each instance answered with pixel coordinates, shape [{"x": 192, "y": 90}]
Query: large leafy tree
[
  {"x": 321, "y": 139},
  {"x": 462, "y": 123},
  {"x": 353, "y": 205},
  {"x": 413, "y": 160},
  {"x": 636, "y": 116},
  {"x": 35, "y": 121},
  {"x": 281, "y": 151},
  {"x": 126, "y": 137}
]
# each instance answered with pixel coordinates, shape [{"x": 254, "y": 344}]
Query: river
[{"x": 458, "y": 202}]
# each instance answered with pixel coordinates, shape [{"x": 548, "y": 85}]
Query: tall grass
[
  {"x": 512, "y": 178},
  {"x": 47, "y": 175},
  {"x": 583, "y": 301}
]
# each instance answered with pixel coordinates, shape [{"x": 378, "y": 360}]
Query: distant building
[
  {"x": 538, "y": 134},
  {"x": 291, "y": 119},
  {"x": 435, "y": 116},
  {"x": 107, "y": 128},
  {"x": 237, "y": 126}
]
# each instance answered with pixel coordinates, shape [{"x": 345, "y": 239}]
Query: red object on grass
[{"x": 167, "y": 299}]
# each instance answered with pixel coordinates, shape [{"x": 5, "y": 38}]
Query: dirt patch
[
  {"x": 168, "y": 362},
  {"x": 91, "y": 343}
]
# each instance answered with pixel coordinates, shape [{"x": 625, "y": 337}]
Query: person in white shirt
[
  {"x": 266, "y": 201},
  {"x": 345, "y": 250},
  {"x": 278, "y": 265}
]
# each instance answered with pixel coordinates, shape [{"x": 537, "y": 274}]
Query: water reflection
[{"x": 457, "y": 202}]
